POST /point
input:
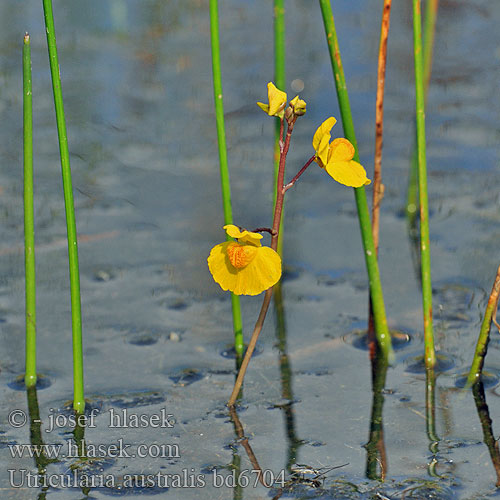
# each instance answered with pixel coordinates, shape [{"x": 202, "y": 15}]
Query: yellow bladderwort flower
[
  {"x": 277, "y": 101},
  {"x": 244, "y": 267},
  {"x": 298, "y": 105},
  {"x": 337, "y": 157}
]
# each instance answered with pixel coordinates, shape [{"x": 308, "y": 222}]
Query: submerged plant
[{"x": 246, "y": 267}]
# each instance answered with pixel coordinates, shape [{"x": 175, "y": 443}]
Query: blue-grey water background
[{"x": 136, "y": 79}]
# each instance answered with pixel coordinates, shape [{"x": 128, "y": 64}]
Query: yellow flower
[
  {"x": 277, "y": 101},
  {"x": 337, "y": 157},
  {"x": 298, "y": 106},
  {"x": 244, "y": 267}
]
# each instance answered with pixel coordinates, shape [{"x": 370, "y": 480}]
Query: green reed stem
[
  {"x": 380, "y": 320},
  {"x": 280, "y": 82},
  {"x": 430, "y": 355},
  {"x": 484, "y": 334},
  {"x": 239, "y": 345},
  {"x": 29, "y": 224},
  {"x": 74, "y": 274},
  {"x": 431, "y": 8}
]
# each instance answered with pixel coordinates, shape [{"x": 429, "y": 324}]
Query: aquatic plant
[
  {"x": 74, "y": 273},
  {"x": 425, "y": 253},
  {"x": 247, "y": 268},
  {"x": 223, "y": 164},
  {"x": 377, "y": 298},
  {"x": 29, "y": 223},
  {"x": 484, "y": 334}
]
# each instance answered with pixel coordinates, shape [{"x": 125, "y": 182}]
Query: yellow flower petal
[
  {"x": 243, "y": 236},
  {"x": 276, "y": 98},
  {"x": 261, "y": 273},
  {"x": 298, "y": 105},
  {"x": 341, "y": 150},
  {"x": 323, "y": 130},
  {"x": 322, "y": 151},
  {"x": 349, "y": 173},
  {"x": 240, "y": 255},
  {"x": 264, "y": 107}
]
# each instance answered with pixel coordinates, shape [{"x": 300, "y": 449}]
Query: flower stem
[
  {"x": 29, "y": 225},
  {"x": 300, "y": 172},
  {"x": 381, "y": 329},
  {"x": 430, "y": 355},
  {"x": 484, "y": 334},
  {"x": 278, "y": 208},
  {"x": 74, "y": 273},
  {"x": 223, "y": 164}
]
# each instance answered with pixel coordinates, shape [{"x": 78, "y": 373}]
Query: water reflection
[
  {"x": 486, "y": 424},
  {"x": 376, "y": 457},
  {"x": 41, "y": 459},
  {"x": 286, "y": 377}
]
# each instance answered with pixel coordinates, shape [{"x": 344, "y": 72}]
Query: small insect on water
[{"x": 314, "y": 477}]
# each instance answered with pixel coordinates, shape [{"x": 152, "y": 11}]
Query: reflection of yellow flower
[
  {"x": 244, "y": 267},
  {"x": 337, "y": 157},
  {"x": 277, "y": 101}
]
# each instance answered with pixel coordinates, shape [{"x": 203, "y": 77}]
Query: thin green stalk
[
  {"x": 380, "y": 320},
  {"x": 431, "y": 8},
  {"x": 484, "y": 334},
  {"x": 425, "y": 254},
  {"x": 29, "y": 224},
  {"x": 280, "y": 82},
  {"x": 239, "y": 345},
  {"x": 74, "y": 274}
]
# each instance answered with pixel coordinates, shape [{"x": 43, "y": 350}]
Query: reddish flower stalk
[{"x": 280, "y": 194}]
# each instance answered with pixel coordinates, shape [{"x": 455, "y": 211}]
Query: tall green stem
[
  {"x": 224, "y": 170},
  {"x": 29, "y": 224},
  {"x": 484, "y": 335},
  {"x": 280, "y": 82},
  {"x": 380, "y": 320},
  {"x": 74, "y": 274},
  {"x": 425, "y": 254},
  {"x": 431, "y": 8}
]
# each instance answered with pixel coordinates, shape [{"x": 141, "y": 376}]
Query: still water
[{"x": 137, "y": 82}]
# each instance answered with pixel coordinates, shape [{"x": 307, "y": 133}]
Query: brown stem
[
  {"x": 378, "y": 188},
  {"x": 301, "y": 171},
  {"x": 274, "y": 245},
  {"x": 243, "y": 440}
]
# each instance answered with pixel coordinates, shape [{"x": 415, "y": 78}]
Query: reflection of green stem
[
  {"x": 430, "y": 408},
  {"x": 224, "y": 171},
  {"x": 29, "y": 225},
  {"x": 280, "y": 82},
  {"x": 484, "y": 334},
  {"x": 286, "y": 377},
  {"x": 431, "y": 7},
  {"x": 36, "y": 440},
  {"x": 425, "y": 251},
  {"x": 74, "y": 273},
  {"x": 375, "y": 448},
  {"x": 486, "y": 424},
  {"x": 381, "y": 329},
  {"x": 236, "y": 467},
  {"x": 79, "y": 437}
]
